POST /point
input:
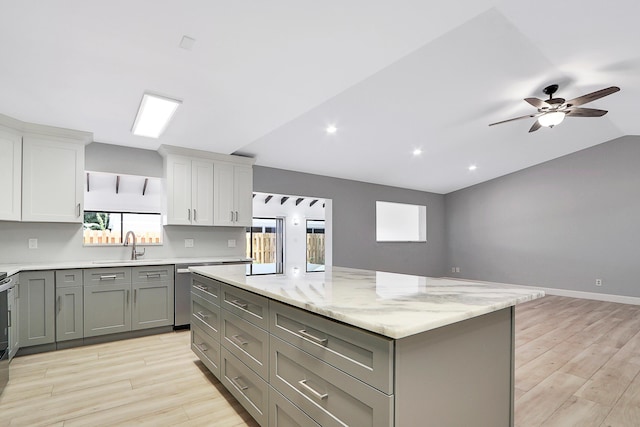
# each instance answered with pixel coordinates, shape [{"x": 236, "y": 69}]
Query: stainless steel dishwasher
[{"x": 182, "y": 297}]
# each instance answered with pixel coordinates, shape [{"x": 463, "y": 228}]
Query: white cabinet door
[
  {"x": 10, "y": 174},
  {"x": 243, "y": 195},
  {"x": 223, "y": 204},
  {"x": 202, "y": 192},
  {"x": 178, "y": 193},
  {"x": 52, "y": 179}
]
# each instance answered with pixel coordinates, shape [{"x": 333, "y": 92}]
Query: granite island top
[{"x": 389, "y": 304}]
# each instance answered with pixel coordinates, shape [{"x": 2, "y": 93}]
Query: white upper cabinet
[
  {"x": 189, "y": 191},
  {"x": 204, "y": 188},
  {"x": 52, "y": 179},
  {"x": 233, "y": 195},
  {"x": 10, "y": 174},
  {"x": 189, "y": 194}
]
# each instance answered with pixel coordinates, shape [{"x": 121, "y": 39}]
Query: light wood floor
[{"x": 577, "y": 364}]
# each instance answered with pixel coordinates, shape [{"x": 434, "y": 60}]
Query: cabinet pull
[
  {"x": 236, "y": 382},
  {"x": 320, "y": 396},
  {"x": 189, "y": 214},
  {"x": 135, "y": 295},
  {"x": 231, "y": 215},
  {"x": 195, "y": 216},
  {"x": 238, "y": 340},
  {"x": 202, "y": 288},
  {"x": 236, "y": 216},
  {"x": 201, "y": 314},
  {"x": 238, "y": 304},
  {"x": 127, "y": 297},
  {"x": 152, "y": 275},
  {"x": 312, "y": 338},
  {"x": 8, "y": 318},
  {"x": 108, "y": 277},
  {"x": 202, "y": 347},
  {"x": 78, "y": 208},
  {"x": 59, "y": 303}
]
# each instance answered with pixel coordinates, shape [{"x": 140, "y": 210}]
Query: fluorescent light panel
[{"x": 154, "y": 115}]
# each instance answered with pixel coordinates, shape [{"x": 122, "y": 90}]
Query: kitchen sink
[{"x": 126, "y": 261}]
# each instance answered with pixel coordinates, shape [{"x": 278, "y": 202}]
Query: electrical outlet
[
  {"x": 453, "y": 269},
  {"x": 457, "y": 269},
  {"x": 231, "y": 243},
  {"x": 598, "y": 282},
  {"x": 33, "y": 243},
  {"x": 188, "y": 243}
]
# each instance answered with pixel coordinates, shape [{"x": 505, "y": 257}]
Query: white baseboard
[{"x": 622, "y": 299}]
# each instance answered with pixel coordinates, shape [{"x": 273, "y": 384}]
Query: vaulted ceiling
[{"x": 265, "y": 78}]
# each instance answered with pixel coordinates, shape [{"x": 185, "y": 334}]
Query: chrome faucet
[{"x": 134, "y": 254}]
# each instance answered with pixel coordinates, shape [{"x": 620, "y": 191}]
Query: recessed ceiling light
[
  {"x": 473, "y": 167},
  {"x": 331, "y": 129},
  {"x": 417, "y": 152},
  {"x": 154, "y": 115}
]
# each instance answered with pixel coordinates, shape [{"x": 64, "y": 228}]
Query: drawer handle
[
  {"x": 312, "y": 338},
  {"x": 239, "y": 304},
  {"x": 236, "y": 382},
  {"x": 238, "y": 340},
  {"x": 201, "y": 314},
  {"x": 202, "y": 347},
  {"x": 150, "y": 275},
  {"x": 304, "y": 384},
  {"x": 202, "y": 288},
  {"x": 108, "y": 277}
]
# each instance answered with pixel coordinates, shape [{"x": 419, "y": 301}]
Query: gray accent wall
[
  {"x": 124, "y": 160},
  {"x": 561, "y": 224},
  {"x": 354, "y": 220}
]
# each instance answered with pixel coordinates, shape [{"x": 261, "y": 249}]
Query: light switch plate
[
  {"x": 188, "y": 243},
  {"x": 231, "y": 243},
  {"x": 33, "y": 243}
]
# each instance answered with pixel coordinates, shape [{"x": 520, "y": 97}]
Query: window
[
  {"x": 109, "y": 228},
  {"x": 315, "y": 245},
  {"x": 400, "y": 222},
  {"x": 265, "y": 246}
]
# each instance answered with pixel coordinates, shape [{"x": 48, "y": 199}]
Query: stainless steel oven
[{"x": 5, "y": 323}]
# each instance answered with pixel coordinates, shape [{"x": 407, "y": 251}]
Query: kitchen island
[{"x": 358, "y": 347}]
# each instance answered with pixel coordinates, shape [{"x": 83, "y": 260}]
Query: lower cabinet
[
  {"x": 69, "y": 305},
  {"x": 288, "y": 367},
  {"x": 36, "y": 311},
  {"x": 124, "y": 299},
  {"x": 13, "y": 306}
]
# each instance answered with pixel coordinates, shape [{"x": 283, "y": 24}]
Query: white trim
[{"x": 622, "y": 299}]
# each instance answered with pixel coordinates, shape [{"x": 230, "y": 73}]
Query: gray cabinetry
[
  {"x": 122, "y": 299},
  {"x": 283, "y": 413},
  {"x": 13, "y": 305},
  {"x": 152, "y": 289},
  {"x": 37, "y": 317},
  {"x": 69, "y": 305},
  {"x": 205, "y": 322}
]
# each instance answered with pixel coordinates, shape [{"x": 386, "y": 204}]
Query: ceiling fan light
[{"x": 551, "y": 119}]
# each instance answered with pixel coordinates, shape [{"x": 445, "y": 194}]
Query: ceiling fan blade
[
  {"x": 592, "y": 96},
  {"x": 538, "y": 103},
  {"x": 536, "y": 125},
  {"x": 528, "y": 116},
  {"x": 585, "y": 112}
]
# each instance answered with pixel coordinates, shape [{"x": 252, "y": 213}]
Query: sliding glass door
[
  {"x": 315, "y": 245},
  {"x": 265, "y": 244}
]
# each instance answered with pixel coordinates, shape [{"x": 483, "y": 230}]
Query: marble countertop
[
  {"x": 64, "y": 265},
  {"x": 389, "y": 304}
]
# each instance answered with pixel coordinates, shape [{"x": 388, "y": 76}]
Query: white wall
[{"x": 295, "y": 235}]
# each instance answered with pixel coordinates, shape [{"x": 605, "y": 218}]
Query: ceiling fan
[{"x": 553, "y": 110}]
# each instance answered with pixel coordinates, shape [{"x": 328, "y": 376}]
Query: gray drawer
[
  {"x": 107, "y": 276},
  {"x": 206, "y": 315},
  {"x": 247, "y": 342},
  {"x": 206, "y": 288},
  {"x": 66, "y": 278},
  {"x": 329, "y": 396},
  {"x": 207, "y": 349},
  {"x": 152, "y": 273},
  {"x": 366, "y": 356},
  {"x": 251, "y": 307},
  {"x": 283, "y": 413},
  {"x": 246, "y": 386}
]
